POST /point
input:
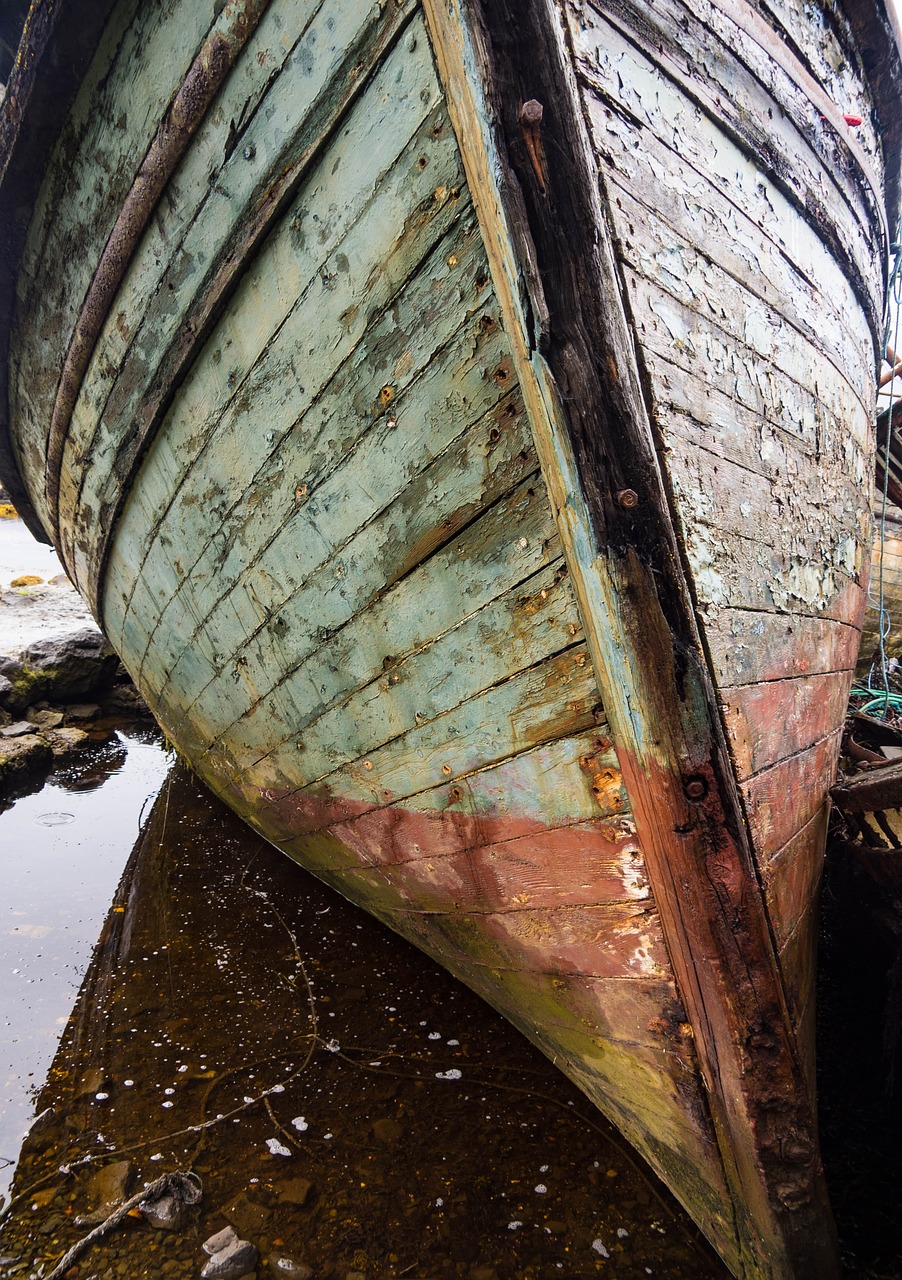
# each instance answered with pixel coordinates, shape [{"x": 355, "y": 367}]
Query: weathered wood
[
  {"x": 205, "y": 76},
  {"x": 783, "y": 798},
  {"x": 240, "y": 237},
  {"x": 770, "y": 721},
  {"x": 640, "y": 615},
  {"x": 748, "y": 645},
  {"x": 886, "y": 582},
  {"x": 779, "y": 147},
  {"x": 869, "y": 792},
  {"x": 321, "y": 424}
]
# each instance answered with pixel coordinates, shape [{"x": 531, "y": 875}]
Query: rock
[
  {"x": 232, "y": 1262},
  {"x": 43, "y": 719},
  {"x": 387, "y": 1130},
  {"x": 67, "y": 739},
  {"x": 295, "y": 1191},
  {"x": 64, "y": 667},
  {"x": 289, "y": 1268},
  {"x": 83, "y": 711},
  {"x": 91, "y": 1081},
  {"x": 166, "y": 1214},
  {"x": 246, "y": 1214},
  {"x": 17, "y": 728},
  {"x": 109, "y": 1186},
  {"x": 125, "y": 700},
  {"x": 59, "y": 580},
  {"x": 216, "y": 1243},
  {"x": 22, "y": 756}
]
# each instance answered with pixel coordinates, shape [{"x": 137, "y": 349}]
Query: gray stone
[
  {"x": 21, "y": 757},
  {"x": 66, "y": 739},
  {"x": 62, "y": 667},
  {"x": 289, "y": 1268},
  {"x": 82, "y": 711},
  {"x": 166, "y": 1214},
  {"x": 231, "y": 1263},
  {"x": 221, "y": 1240},
  {"x": 16, "y": 729}
]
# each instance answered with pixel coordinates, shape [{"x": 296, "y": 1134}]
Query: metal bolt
[
  {"x": 627, "y": 499},
  {"x": 695, "y": 788}
]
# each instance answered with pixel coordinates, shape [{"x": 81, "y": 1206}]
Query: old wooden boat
[{"x": 459, "y": 416}]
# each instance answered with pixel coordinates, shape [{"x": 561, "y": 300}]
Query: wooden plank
[
  {"x": 748, "y": 646},
  {"x": 566, "y": 782},
  {"x": 768, "y": 722},
  {"x": 209, "y": 164},
  {"x": 547, "y": 701},
  {"x": 323, "y": 507},
  {"x": 792, "y": 877},
  {"x": 212, "y": 64},
  {"x": 688, "y": 216},
  {"x": 824, "y": 540},
  {"x": 724, "y": 205},
  {"x": 742, "y": 344},
  {"x": 123, "y": 104},
  {"x": 291, "y": 603},
  {"x": 244, "y": 235},
  {"x": 402, "y": 341},
  {"x": 781, "y": 800},
  {"x": 673, "y": 84},
  {"x": 659, "y": 725},
  {"x": 568, "y": 867},
  {"x": 336, "y": 725}
]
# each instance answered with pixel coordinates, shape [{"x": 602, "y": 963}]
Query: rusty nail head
[
  {"x": 531, "y": 114},
  {"x": 696, "y": 788},
  {"x": 627, "y": 498}
]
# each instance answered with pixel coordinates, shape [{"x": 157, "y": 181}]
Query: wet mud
[{"x": 347, "y": 1106}]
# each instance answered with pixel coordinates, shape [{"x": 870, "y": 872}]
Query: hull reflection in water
[{"x": 424, "y": 1136}]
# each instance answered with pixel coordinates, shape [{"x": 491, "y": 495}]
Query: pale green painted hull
[{"x": 299, "y": 444}]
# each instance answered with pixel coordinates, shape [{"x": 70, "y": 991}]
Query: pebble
[
  {"x": 231, "y": 1263},
  {"x": 109, "y": 1186},
  {"x": 289, "y": 1268},
  {"x": 295, "y": 1191},
  {"x": 387, "y": 1130},
  {"x": 221, "y": 1240},
  {"x": 166, "y": 1214}
]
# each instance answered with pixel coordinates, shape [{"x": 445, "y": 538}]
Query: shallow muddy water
[{"x": 406, "y": 1130}]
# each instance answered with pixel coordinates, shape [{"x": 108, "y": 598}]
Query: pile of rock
[{"x": 51, "y": 695}]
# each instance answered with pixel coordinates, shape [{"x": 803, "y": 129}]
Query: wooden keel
[{"x": 550, "y": 249}]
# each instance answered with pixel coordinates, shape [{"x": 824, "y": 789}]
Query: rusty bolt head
[
  {"x": 531, "y": 114},
  {"x": 695, "y": 788},
  {"x": 628, "y": 499}
]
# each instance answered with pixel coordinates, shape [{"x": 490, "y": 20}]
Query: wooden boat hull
[{"x": 456, "y": 449}]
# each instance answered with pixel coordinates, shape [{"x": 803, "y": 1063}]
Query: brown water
[{"x": 406, "y": 1130}]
